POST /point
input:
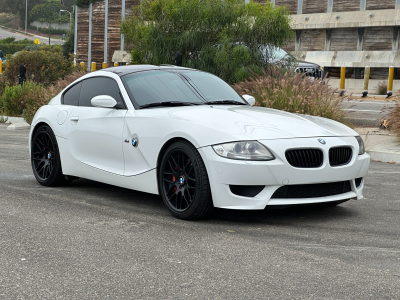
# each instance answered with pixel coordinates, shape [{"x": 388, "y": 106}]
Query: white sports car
[{"x": 189, "y": 137}]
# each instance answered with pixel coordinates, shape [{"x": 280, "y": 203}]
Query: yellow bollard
[
  {"x": 366, "y": 79},
  {"x": 115, "y": 64},
  {"x": 104, "y": 65},
  {"x": 1, "y": 66},
  {"x": 93, "y": 66},
  {"x": 82, "y": 65},
  {"x": 342, "y": 77},
  {"x": 390, "y": 81}
]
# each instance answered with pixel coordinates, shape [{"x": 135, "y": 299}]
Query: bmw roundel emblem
[
  {"x": 181, "y": 180},
  {"x": 135, "y": 142},
  {"x": 322, "y": 141}
]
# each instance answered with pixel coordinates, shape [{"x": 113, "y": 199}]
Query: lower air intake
[{"x": 312, "y": 190}]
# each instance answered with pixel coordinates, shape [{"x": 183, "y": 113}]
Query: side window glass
[
  {"x": 71, "y": 96},
  {"x": 96, "y": 86}
]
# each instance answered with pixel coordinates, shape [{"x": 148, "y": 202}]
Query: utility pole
[
  {"x": 26, "y": 15},
  {"x": 49, "y": 32}
]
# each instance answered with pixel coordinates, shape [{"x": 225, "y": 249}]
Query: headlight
[
  {"x": 244, "y": 151},
  {"x": 361, "y": 145}
]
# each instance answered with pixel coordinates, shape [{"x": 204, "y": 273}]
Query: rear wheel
[
  {"x": 45, "y": 157},
  {"x": 183, "y": 182}
]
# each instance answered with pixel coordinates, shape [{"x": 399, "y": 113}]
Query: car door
[{"x": 95, "y": 133}]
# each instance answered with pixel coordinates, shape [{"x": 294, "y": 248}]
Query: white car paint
[{"x": 95, "y": 143}]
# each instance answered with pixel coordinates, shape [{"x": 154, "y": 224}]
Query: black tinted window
[
  {"x": 71, "y": 97},
  {"x": 96, "y": 86}
]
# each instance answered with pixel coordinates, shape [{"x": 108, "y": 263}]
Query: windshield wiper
[
  {"x": 226, "y": 102},
  {"x": 168, "y": 104}
]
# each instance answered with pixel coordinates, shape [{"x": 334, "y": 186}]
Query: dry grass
[
  {"x": 394, "y": 120},
  {"x": 293, "y": 93},
  {"x": 381, "y": 88},
  {"x": 9, "y": 20},
  {"x": 47, "y": 93}
]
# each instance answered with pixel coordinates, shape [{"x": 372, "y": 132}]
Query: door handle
[{"x": 74, "y": 119}]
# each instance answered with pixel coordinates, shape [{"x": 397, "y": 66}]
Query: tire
[
  {"x": 45, "y": 158},
  {"x": 183, "y": 182}
]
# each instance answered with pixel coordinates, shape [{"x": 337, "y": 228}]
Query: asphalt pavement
[
  {"x": 367, "y": 112},
  {"x": 94, "y": 241},
  {"x": 18, "y": 36}
]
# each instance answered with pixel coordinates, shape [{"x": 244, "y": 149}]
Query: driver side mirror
[
  {"x": 104, "y": 101},
  {"x": 250, "y": 99}
]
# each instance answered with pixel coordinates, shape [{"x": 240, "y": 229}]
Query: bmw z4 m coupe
[{"x": 188, "y": 136}]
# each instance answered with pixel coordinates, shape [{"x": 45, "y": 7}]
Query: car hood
[
  {"x": 247, "y": 122},
  {"x": 305, "y": 64}
]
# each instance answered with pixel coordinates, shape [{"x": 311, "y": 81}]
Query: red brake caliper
[{"x": 173, "y": 180}]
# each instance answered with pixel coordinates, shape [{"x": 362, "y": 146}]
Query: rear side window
[
  {"x": 71, "y": 97},
  {"x": 96, "y": 86}
]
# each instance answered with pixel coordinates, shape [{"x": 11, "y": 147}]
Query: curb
[
  {"x": 19, "y": 126},
  {"x": 388, "y": 157},
  {"x": 364, "y": 122}
]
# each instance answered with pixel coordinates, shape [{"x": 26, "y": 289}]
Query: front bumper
[{"x": 274, "y": 174}]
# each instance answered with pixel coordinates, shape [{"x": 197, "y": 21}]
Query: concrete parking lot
[{"x": 95, "y": 241}]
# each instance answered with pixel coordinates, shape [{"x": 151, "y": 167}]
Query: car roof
[{"x": 128, "y": 69}]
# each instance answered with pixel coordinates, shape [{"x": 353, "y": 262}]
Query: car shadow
[
  {"x": 299, "y": 214},
  {"x": 132, "y": 200}
]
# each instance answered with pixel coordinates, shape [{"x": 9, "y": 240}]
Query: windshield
[
  {"x": 278, "y": 53},
  {"x": 187, "y": 86}
]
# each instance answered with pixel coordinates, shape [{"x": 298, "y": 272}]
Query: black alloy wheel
[
  {"x": 183, "y": 182},
  {"x": 45, "y": 158}
]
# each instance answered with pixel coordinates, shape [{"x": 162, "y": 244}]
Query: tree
[
  {"x": 49, "y": 11},
  {"x": 17, "y": 7},
  {"x": 228, "y": 38},
  {"x": 68, "y": 46}
]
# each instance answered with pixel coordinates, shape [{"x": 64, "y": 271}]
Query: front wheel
[
  {"x": 45, "y": 157},
  {"x": 183, "y": 182}
]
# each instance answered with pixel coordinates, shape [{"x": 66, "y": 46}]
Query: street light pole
[{"x": 70, "y": 16}]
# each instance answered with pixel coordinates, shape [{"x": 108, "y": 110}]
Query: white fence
[{"x": 52, "y": 25}]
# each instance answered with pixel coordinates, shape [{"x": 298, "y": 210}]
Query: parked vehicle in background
[
  {"x": 280, "y": 56},
  {"x": 2, "y": 57}
]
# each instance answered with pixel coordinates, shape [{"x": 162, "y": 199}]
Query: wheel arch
[
  {"x": 37, "y": 126},
  {"x": 33, "y": 131},
  {"x": 163, "y": 150}
]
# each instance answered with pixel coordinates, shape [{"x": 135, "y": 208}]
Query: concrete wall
[
  {"x": 52, "y": 25},
  {"x": 351, "y": 19},
  {"x": 355, "y": 59},
  {"x": 356, "y": 86}
]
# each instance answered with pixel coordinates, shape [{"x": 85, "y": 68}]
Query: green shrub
[
  {"x": 293, "y": 92},
  {"x": 4, "y": 18},
  {"x": 228, "y": 38},
  {"x": 68, "y": 46},
  {"x": 10, "y": 45},
  {"x": 45, "y": 65},
  {"x": 25, "y": 100},
  {"x": 15, "y": 98},
  {"x": 83, "y": 3}
]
